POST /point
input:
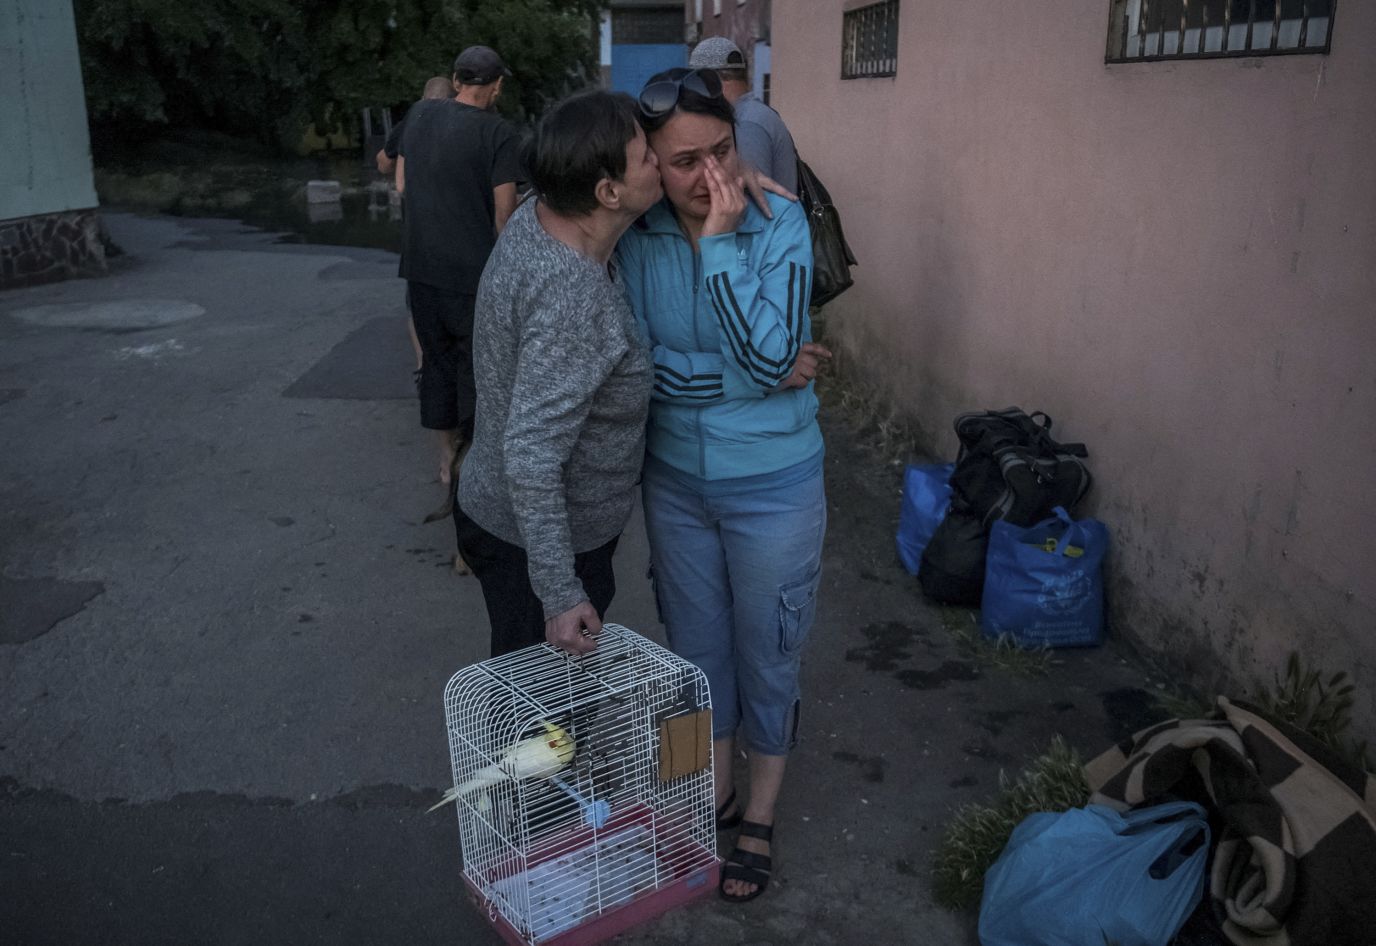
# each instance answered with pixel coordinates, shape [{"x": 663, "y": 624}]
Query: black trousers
[
  {"x": 444, "y": 327},
  {"x": 516, "y": 614}
]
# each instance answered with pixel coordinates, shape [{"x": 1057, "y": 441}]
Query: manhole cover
[{"x": 124, "y": 314}]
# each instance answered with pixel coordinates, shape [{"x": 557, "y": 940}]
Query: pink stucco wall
[{"x": 1175, "y": 260}]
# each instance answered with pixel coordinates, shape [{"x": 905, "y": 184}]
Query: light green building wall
[{"x": 45, "y": 147}]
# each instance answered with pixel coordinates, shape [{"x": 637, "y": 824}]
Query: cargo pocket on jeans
[{"x": 797, "y": 608}]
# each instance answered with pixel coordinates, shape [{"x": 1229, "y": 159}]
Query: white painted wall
[{"x": 46, "y": 147}]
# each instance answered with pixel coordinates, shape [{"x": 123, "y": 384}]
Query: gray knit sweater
[{"x": 563, "y": 373}]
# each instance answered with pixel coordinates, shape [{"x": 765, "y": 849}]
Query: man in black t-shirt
[
  {"x": 439, "y": 87},
  {"x": 457, "y": 166}
]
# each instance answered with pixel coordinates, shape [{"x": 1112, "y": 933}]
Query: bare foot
[
  {"x": 448, "y": 475},
  {"x": 449, "y": 447}
]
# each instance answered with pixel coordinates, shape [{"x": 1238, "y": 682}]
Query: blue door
[{"x": 633, "y": 63}]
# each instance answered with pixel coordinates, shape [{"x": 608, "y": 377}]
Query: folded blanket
[{"x": 1296, "y": 862}]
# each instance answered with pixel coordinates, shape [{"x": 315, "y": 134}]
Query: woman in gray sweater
[{"x": 563, "y": 375}]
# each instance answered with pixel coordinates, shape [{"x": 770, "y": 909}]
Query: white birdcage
[{"x": 584, "y": 787}]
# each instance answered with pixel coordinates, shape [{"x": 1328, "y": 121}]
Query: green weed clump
[
  {"x": 1179, "y": 702},
  {"x": 1054, "y": 781},
  {"x": 1306, "y": 699},
  {"x": 1323, "y": 710},
  {"x": 1002, "y": 652}
]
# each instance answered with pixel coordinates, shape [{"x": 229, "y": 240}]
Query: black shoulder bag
[{"x": 831, "y": 256}]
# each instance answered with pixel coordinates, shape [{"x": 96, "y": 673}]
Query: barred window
[
  {"x": 869, "y": 41},
  {"x": 1205, "y": 29}
]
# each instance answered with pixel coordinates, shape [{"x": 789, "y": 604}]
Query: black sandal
[
  {"x": 726, "y": 822},
  {"x": 747, "y": 866}
]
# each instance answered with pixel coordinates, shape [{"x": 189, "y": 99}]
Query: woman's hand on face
[{"x": 728, "y": 200}]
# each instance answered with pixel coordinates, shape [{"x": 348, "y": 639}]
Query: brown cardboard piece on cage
[{"x": 685, "y": 744}]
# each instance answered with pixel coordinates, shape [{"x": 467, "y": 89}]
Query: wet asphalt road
[{"x": 224, "y": 634}]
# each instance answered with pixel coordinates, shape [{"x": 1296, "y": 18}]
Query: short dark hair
[
  {"x": 688, "y": 101},
  {"x": 438, "y": 87},
  {"x": 577, "y": 143},
  {"x": 737, "y": 74}
]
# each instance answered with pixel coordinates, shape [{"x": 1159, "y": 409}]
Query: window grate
[
  {"x": 869, "y": 41},
  {"x": 1147, "y": 30}
]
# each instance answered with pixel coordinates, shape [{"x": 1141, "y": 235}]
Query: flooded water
[{"x": 265, "y": 193}]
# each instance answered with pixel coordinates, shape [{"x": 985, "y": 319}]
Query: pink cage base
[{"x": 689, "y": 886}]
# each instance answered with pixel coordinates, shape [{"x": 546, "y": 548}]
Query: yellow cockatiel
[{"x": 536, "y": 757}]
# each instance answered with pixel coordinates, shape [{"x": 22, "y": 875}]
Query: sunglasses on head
[{"x": 661, "y": 97}]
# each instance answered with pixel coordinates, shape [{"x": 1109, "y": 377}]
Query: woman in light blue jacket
[{"x": 734, "y": 504}]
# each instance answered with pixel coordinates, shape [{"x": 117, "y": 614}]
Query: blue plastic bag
[
  {"x": 1044, "y": 584},
  {"x": 926, "y": 494},
  {"x": 1091, "y": 876}
]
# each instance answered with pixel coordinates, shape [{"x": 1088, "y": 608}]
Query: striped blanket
[{"x": 1296, "y": 860}]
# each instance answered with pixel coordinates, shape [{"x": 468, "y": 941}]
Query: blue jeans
[{"x": 735, "y": 574}]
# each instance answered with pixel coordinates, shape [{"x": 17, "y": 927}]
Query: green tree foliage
[{"x": 268, "y": 68}]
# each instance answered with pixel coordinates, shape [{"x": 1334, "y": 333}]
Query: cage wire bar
[
  {"x": 1151, "y": 30},
  {"x": 600, "y": 827}
]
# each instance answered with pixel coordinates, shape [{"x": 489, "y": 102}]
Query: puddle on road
[
  {"x": 871, "y": 767},
  {"x": 993, "y": 721},
  {"x": 891, "y": 643},
  {"x": 117, "y": 317},
  {"x": 888, "y": 643},
  {"x": 264, "y": 192},
  {"x": 938, "y": 678},
  {"x": 1130, "y": 710}
]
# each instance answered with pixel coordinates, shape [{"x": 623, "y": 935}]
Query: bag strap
[
  {"x": 1012, "y": 428},
  {"x": 1191, "y": 838},
  {"x": 1072, "y": 529},
  {"x": 812, "y": 192},
  {"x": 1163, "y": 814}
]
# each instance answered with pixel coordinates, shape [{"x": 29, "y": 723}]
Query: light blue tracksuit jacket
[{"x": 726, "y": 325}]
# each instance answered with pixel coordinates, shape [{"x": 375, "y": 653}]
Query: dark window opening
[{"x": 869, "y": 41}]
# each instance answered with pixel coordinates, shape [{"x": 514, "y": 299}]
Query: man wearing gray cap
[
  {"x": 762, "y": 139},
  {"x": 458, "y": 165}
]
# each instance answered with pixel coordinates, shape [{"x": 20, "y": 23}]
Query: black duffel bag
[{"x": 1009, "y": 467}]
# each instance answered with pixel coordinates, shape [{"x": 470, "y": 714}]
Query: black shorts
[{"x": 444, "y": 326}]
